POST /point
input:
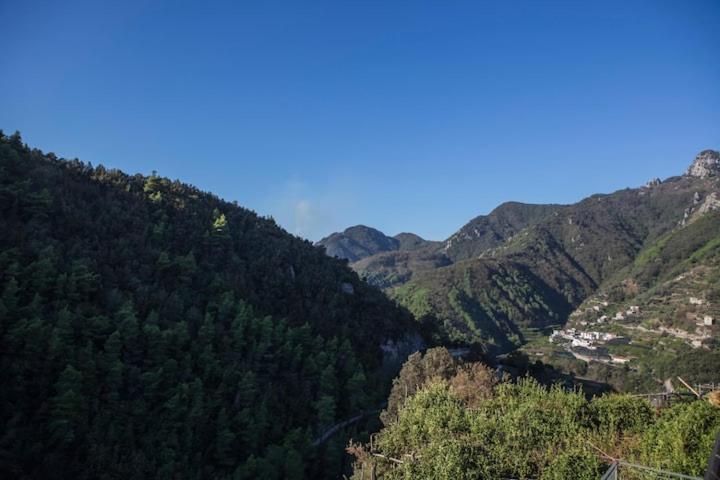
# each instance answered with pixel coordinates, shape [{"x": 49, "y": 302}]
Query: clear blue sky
[{"x": 407, "y": 116}]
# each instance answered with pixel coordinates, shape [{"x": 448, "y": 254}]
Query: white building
[
  {"x": 619, "y": 359},
  {"x": 579, "y": 342}
]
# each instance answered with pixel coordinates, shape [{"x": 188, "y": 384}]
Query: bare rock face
[
  {"x": 395, "y": 352},
  {"x": 706, "y": 164},
  {"x": 711, "y": 203},
  {"x": 347, "y": 288}
]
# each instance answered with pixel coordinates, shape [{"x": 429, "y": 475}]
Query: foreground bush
[
  {"x": 524, "y": 430},
  {"x": 682, "y": 438}
]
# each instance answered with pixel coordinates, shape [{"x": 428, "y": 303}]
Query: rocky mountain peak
[
  {"x": 706, "y": 164},
  {"x": 358, "y": 242},
  {"x": 653, "y": 183},
  {"x": 410, "y": 241}
]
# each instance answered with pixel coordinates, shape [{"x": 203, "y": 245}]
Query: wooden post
[{"x": 689, "y": 387}]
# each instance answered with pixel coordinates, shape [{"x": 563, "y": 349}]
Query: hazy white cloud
[
  {"x": 311, "y": 212},
  {"x": 305, "y": 219}
]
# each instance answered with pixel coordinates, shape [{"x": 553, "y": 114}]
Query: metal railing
[{"x": 621, "y": 469}]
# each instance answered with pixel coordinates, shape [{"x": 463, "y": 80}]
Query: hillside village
[{"x": 603, "y": 332}]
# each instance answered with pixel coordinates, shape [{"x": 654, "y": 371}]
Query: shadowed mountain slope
[{"x": 152, "y": 330}]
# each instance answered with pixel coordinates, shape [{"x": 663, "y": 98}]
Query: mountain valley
[{"x": 508, "y": 279}]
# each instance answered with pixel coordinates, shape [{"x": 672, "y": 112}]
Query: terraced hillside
[{"x": 653, "y": 320}]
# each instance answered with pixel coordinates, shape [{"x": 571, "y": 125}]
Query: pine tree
[
  {"x": 69, "y": 407},
  {"x": 224, "y": 440}
]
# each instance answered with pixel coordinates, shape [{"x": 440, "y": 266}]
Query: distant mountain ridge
[
  {"x": 358, "y": 242},
  {"x": 390, "y": 261},
  {"x": 506, "y": 277},
  {"x": 410, "y": 241}
]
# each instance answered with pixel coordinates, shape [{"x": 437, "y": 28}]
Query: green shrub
[
  {"x": 525, "y": 430},
  {"x": 682, "y": 438},
  {"x": 621, "y": 413},
  {"x": 577, "y": 463}
]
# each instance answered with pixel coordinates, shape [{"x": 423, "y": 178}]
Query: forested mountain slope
[
  {"x": 152, "y": 330},
  {"x": 537, "y": 277},
  {"x": 488, "y": 231},
  {"x": 388, "y": 269}
]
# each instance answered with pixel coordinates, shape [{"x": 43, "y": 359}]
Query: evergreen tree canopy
[{"x": 151, "y": 330}]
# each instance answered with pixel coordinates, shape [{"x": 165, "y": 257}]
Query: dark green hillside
[
  {"x": 673, "y": 254},
  {"x": 604, "y": 233},
  {"x": 489, "y": 303},
  {"x": 151, "y": 330},
  {"x": 388, "y": 269}
]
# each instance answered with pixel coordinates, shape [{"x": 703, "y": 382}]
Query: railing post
[
  {"x": 612, "y": 472},
  {"x": 713, "y": 470}
]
